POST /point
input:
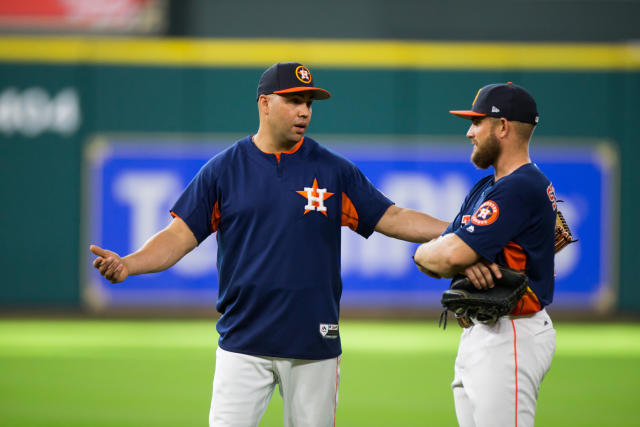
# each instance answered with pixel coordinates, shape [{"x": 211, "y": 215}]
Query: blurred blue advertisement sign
[{"x": 132, "y": 184}]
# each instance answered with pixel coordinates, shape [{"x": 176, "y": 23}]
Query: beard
[{"x": 487, "y": 152}]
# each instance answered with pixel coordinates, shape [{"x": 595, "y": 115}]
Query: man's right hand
[
  {"x": 109, "y": 264},
  {"x": 481, "y": 274}
]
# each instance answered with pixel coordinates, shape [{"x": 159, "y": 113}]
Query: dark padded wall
[{"x": 522, "y": 20}]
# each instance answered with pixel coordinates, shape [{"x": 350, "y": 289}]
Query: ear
[
  {"x": 263, "y": 104},
  {"x": 503, "y": 127}
]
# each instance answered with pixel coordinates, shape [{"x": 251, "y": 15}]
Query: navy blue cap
[
  {"x": 289, "y": 77},
  {"x": 503, "y": 100}
]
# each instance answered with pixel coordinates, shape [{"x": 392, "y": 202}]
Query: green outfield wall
[{"x": 56, "y": 95}]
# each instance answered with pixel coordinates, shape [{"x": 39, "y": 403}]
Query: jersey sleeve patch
[{"x": 486, "y": 214}]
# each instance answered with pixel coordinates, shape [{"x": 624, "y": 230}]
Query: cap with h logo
[
  {"x": 289, "y": 77},
  {"x": 506, "y": 100}
]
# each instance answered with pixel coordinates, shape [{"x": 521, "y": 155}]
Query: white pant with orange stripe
[
  {"x": 243, "y": 385},
  {"x": 499, "y": 369}
]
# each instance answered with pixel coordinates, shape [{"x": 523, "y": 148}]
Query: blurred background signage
[
  {"x": 83, "y": 15},
  {"x": 132, "y": 187}
]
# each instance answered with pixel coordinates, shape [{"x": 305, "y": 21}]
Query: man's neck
[
  {"x": 268, "y": 144},
  {"x": 506, "y": 165}
]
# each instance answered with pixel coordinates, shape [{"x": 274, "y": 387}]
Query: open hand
[{"x": 109, "y": 264}]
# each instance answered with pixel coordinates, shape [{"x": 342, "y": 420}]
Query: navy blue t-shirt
[
  {"x": 278, "y": 221},
  {"x": 512, "y": 222}
]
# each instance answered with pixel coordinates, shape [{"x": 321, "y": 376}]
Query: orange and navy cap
[
  {"x": 289, "y": 77},
  {"x": 506, "y": 100}
]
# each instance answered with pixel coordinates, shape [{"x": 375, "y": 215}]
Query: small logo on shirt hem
[{"x": 328, "y": 330}]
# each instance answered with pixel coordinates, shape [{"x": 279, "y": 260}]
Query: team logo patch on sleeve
[
  {"x": 328, "y": 330},
  {"x": 486, "y": 214}
]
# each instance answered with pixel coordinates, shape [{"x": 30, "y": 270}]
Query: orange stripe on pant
[{"x": 515, "y": 357}]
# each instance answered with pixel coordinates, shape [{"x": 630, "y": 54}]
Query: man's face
[
  {"x": 486, "y": 146},
  {"x": 289, "y": 115}
]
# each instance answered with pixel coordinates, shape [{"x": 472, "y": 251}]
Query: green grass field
[{"x": 123, "y": 373}]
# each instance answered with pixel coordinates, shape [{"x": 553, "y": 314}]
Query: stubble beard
[
  {"x": 488, "y": 154},
  {"x": 288, "y": 136}
]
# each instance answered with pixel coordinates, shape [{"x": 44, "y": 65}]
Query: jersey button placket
[{"x": 279, "y": 165}]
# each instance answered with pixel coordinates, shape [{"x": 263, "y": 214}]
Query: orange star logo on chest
[{"x": 315, "y": 198}]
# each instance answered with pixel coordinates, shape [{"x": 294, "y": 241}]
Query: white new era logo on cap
[{"x": 495, "y": 109}]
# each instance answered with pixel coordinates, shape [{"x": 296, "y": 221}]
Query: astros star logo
[
  {"x": 315, "y": 198},
  {"x": 486, "y": 214},
  {"x": 303, "y": 74}
]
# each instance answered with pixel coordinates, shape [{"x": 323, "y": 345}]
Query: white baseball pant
[
  {"x": 243, "y": 385},
  {"x": 499, "y": 369}
]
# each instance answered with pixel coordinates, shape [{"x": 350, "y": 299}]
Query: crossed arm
[
  {"x": 160, "y": 252},
  {"x": 449, "y": 255},
  {"x": 441, "y": 256}
]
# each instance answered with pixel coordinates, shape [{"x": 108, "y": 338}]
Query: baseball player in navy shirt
[
  {"x": 507, "y": 218},
  {"x": 276, "y": 201}
]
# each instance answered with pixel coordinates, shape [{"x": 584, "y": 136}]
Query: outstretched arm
[
  {"x": 410, "y": 225},
  {"x": 160, "y": 252}
]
